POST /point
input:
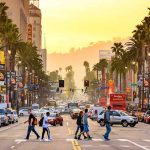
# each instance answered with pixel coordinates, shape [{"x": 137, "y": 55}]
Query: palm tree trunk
[{"x": 120, "y": 83}]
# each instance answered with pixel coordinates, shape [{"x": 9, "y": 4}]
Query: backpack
[
  {"x": 35, "y": 122},
  {"x": 41, "y": 122}
]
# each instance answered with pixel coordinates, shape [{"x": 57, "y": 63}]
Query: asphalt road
[{"x": 137, "y": 138}]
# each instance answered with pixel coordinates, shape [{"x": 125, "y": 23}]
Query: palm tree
[{"x": 118, "y": 62}]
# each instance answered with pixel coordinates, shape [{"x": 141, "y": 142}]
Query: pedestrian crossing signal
[
  {"x": 86, "y": 83},
  {"x": 61, "y": 83}
]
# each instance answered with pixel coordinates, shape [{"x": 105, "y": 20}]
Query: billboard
[
  {"x": 118, "y": 101},
  {"x": 2, "y": 57}
]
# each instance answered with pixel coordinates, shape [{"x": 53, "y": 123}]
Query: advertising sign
[
  {"x": 102, "y": 101},
  {"x": 2, "y": 76},
  {"x": 2, "y": 57},
  {"x": 29, "y": 33},
  {"x": 118, "y": 101}
]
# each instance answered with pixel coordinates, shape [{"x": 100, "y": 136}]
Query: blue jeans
[
  {"x": 31, "y": 128},
  {"x": 108, "y": 130}
]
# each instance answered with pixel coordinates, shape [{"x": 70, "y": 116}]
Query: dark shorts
[{"x": 86, "y": 128}]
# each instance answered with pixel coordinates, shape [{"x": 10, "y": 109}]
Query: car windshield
[
  {"x": 124, "y": 114},
  {"x": 101, "y": 113}
]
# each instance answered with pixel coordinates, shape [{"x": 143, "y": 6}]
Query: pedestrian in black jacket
[{"x": 80, "y": 125}]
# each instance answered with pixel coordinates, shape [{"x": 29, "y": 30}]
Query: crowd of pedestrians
[
  {"x": 44, "y": 123},
  {"x": 82, "y": 125}
]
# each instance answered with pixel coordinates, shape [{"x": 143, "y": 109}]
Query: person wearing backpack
[
  {"x": 31, "y": 127},
  {"x": 107, "y": 122},
  {"x": 45, "y": 127}
]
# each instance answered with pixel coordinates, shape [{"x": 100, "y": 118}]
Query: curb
[{"x": 11, "y": 126}]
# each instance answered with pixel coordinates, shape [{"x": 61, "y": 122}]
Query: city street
[{"x": 136, "y": 138}]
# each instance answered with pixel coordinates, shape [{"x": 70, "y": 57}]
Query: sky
[{"x": 76, "y": 23}]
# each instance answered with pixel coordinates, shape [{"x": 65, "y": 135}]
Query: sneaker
[
  {"x": 85, "y": 137},
  {"x": 75, "y": 137},
  {"x": 43, "y": 140}
]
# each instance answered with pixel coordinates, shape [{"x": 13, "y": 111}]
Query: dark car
[{"x": 55, "y": 118}]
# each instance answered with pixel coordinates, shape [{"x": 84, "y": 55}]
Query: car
[
  {"x": 3, "y": 117},
  {"x": 118, "y": 117},
  {"x": 24, "y": 112},
  {"x": 55, "y": 118},
  {"x": 147, "y": 117},
  {"x": 74, "y": 113},
  {"x": 44, "y": 110}
]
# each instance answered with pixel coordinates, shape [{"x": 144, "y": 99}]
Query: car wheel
[
  {"x": 124, "y": 123},
  {"x": 61, "y": 124},
  {"x": 102, "y": 123},
  {"x": 21, "y": 114},
  {"x": 140, "y": 119},
  {"x": 132, "y": 125}
]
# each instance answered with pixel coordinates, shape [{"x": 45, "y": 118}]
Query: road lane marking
[
  {"x": 77, "y": 145},
  {"x": 69, "y": 130},
  {"x": 146, "y": 140},
  {"x": 97, "y": 140},
  {"x": 67, "y": 124},
  {"x": 74, "y": 147},
  {"x": 138, "y": 145},
  {"x": 12, "y": 147}
]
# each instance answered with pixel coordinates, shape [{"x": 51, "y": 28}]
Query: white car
[
  {"x": 24, "y": 112},
  {"x": 15, "y": 116}
]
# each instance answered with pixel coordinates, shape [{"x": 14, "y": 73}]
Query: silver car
[{"x": 118, "y": 117}]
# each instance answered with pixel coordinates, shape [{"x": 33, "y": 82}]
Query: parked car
[
  {"x": 147, "y": 117},
  {"x": 3, "y": 117},
  {"x": 55, "y": 118},
  {"x": 24, "y": 112},
  {"x": 74, "y": 113},
  {"x": 118, "y": 117}
]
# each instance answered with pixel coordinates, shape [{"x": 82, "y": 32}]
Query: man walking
[
  {"x": 45, "y": 127},
  {"x": 31, "y": 127},
  {"x": 86, "y": 126},
  {"x": 107, "y": 122},
  {"x": 81, "y": 125}
]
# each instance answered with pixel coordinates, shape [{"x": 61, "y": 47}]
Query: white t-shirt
[{"x": 45, "y": 125}]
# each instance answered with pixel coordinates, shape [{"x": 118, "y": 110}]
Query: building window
[
  {"x": 34, "y": 21},
  {"x": 34, "y": 28},
  {"x": 34, "y": 35}
]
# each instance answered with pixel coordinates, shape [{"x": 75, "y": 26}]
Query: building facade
[
  {"x": 35, "y": 32},
  {"x": 18, "y": 12}
]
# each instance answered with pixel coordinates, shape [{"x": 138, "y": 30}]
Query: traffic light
[
  {"x": 61, "y": 83},
  {"x": 86, "y": 83}
]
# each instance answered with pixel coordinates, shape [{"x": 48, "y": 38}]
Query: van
[{"x": 95, "y": 111}]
